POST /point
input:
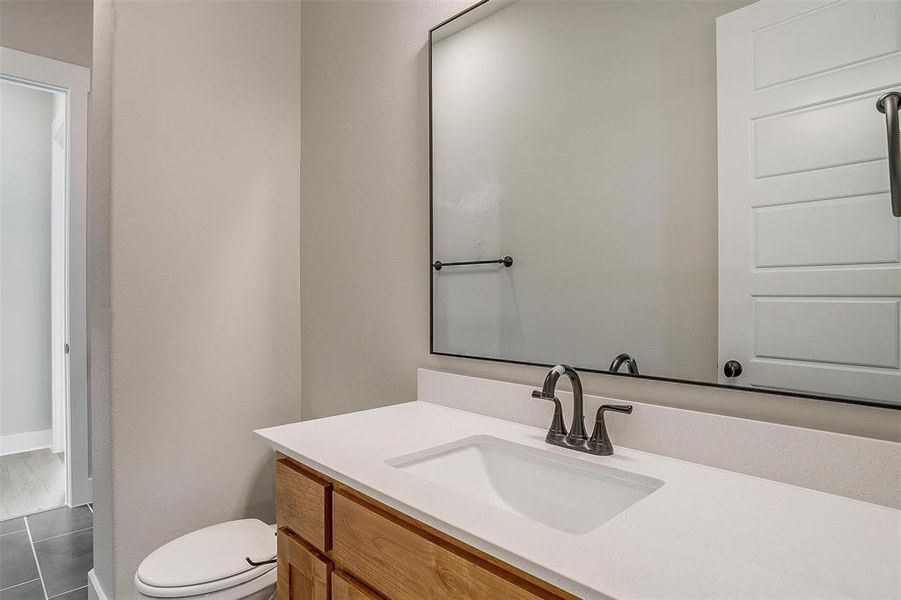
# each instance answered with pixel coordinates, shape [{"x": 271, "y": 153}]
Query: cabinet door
[
  {"x": 345, "y": 587},
  {"x": 303, "y": 573},
  {"x": 303, "y": 503},
  {"x": 403, "y": 563}
]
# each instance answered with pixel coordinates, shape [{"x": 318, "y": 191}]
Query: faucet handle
[
  {"x": 623, "y": 408},
  {"x": 557, "y": 430},
  {"x": 599, "y": 442}
]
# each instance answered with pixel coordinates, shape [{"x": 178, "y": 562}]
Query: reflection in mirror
[{"x": 703, "y": 186}]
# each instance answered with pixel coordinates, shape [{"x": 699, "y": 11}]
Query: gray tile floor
[{"x": 47, "y": 555}]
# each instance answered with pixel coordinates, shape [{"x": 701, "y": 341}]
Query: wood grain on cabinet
[
  {"x": 303, "y": 503},
  {"x": 465, "y": 549},
  {"x": 303, "y": 573},
  {"x": 402, "y": 562},
  {"x": 345, "y": 587}
]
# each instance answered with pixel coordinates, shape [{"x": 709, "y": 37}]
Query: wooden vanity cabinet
[{"x": 363, "y": 550}]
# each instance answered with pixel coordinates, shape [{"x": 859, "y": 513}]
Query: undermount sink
[{"x": 570, "y": 495}]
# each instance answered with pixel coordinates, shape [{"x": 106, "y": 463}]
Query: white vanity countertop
[{"x": 707, "y": 533}]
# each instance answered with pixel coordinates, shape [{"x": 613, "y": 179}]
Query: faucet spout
[
  {"x": 550, "y": 381},
  {"x": 625, "y": 359},
  {"x": 577, "y": 434}
]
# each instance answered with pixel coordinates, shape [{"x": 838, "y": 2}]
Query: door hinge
[{"x": 67, "y": 348}]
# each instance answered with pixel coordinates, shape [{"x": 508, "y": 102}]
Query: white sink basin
[{"x": 570, "y": 495}]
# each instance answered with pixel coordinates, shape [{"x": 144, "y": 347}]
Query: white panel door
[{"x": 809, "y": 263}]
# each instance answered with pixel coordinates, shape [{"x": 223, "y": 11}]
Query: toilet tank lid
[{"x": 209, "y": 554}]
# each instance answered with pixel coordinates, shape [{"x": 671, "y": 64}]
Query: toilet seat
[{"x": 211, "y": 560}]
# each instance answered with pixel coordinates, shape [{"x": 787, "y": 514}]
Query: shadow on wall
[{"x": 258, "y": 499}]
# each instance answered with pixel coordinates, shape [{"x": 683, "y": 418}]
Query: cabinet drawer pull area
[
  {"x": 303, "y": 573},
  {"x": 303, "y": 503},
  {"x": 403, "y": 563},
  {"x": 345, "y": 587}
]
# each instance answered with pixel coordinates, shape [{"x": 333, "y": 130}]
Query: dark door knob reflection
[{"x": 732, "y": 368}]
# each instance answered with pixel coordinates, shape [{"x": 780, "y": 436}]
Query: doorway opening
[{"x": 44, "y": 455}]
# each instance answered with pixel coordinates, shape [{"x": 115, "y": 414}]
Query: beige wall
[
  {"x": 98, "y": 289},
  {"x": 58, "y": 29},
  {"x": 202, "y": 161},
  {"x": 364, "y": 232}
]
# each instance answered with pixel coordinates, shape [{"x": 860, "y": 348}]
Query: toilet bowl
[{"x": 212, "y": 564}]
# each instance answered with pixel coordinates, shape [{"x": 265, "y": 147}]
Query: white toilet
[{"x": 211, "y": 563}]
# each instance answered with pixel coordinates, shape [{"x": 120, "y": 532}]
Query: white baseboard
[
  {"x": 95, "y": 591},
  {"x": 87, "y": 497},
  {"x": 23, "y": 442}
]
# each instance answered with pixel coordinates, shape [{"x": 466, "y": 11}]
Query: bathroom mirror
[{"x": 702, "y": 186}]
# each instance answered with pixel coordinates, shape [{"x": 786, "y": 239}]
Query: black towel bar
[{"x": 507, "y": 261}]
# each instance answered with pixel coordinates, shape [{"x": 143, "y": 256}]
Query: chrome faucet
[
  {"x": 599, "y": 442},
  {"x": 625, "y": 359}
]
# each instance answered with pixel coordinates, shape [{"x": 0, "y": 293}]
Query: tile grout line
[
  {"x": 53, "y": 537},
  {"x": 68, "y": 592},
  {"x": 12, "y": 587},
  {"x": 10, "y": 533},
  {"x": 34, "y": 553}
]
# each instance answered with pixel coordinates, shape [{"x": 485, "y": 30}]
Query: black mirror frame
[{"x": 433, "y": 274}]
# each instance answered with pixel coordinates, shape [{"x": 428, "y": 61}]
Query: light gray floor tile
[{"x": 31, "y": 482}]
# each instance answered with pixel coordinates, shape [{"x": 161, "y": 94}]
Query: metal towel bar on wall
[
  {"x": 888, "y": 104},
  {"x": 507, "y": 261}
]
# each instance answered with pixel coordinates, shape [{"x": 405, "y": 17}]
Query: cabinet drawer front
[
  {"x": 303, "y": 504},
  {"x": 345, "y": 587},
  {"x": 303, "y": 573},
  {"x": 402, "y": 563}
]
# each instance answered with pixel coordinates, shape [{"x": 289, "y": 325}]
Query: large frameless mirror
[{"x": 702, "y": 191}]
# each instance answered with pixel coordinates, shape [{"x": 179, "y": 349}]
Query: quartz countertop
[{"x": 706, "y": 533}]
